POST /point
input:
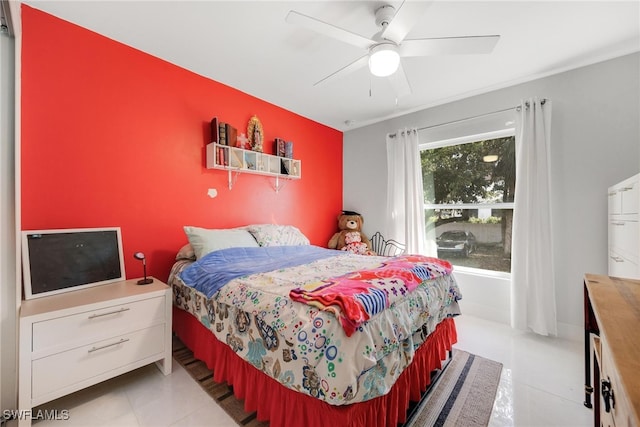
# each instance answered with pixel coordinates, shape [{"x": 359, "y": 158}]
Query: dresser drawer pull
[
  {"x": 626, "y": 188},
  {"x": 616, "y": 258},
  {"x": 607, "y": 395},
  {"x": 122, "y": 340},
  {"x": 93, "y": 316},
  {"x": 617, "y": 223}
]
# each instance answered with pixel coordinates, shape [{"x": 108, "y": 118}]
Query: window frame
[{"x": 467, "y": 139}]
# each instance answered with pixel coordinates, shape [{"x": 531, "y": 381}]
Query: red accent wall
[{"x": 112, "y": 136}]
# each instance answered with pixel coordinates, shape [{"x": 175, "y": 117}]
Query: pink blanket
[{"x": 357, "y": 296}]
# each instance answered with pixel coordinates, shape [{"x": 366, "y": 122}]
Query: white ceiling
[{"x": 249, "y": 46}]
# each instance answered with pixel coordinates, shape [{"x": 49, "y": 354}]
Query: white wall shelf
[{"x": 237, "y": 160}]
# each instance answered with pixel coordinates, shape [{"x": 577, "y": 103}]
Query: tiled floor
[
  {"x": 542, "y": 382},
  {"x": 143, "y": 397},
  {"x": 541, "y": 385}
]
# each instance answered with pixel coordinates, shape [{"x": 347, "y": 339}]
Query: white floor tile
[
  {"x": 542, "y": 379},
  {"x": 177, "y": 396},
  {"x": 99, "y": 407},
  {"x": 204, "y": 417}
]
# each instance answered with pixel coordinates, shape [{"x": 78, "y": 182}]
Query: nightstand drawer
[
  {"x": 64, "y": 332},
  {"x": 61, "y": 370}
]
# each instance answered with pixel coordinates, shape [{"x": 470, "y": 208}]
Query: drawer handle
[
  {"x": 607, "y": 395},
  {"x": 617, "y": 223},
  {"x": 626, "y": 188},
  {"x": 93, "y": 316},
  {"x": 617, "y": 259},
  {"x": 122, "y": 340}
]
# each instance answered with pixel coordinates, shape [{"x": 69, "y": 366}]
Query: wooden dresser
[{"x": 612, "y": 333}]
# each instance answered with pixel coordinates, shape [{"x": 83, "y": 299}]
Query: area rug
[{"x": 462, "y": 395}]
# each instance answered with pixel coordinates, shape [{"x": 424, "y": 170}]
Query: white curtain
[
  {"x": 533, "y": 303},
  {"x": 405, "y": 205}
]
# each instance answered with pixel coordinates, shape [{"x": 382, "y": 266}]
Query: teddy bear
[{"x": 350, "y": 238}]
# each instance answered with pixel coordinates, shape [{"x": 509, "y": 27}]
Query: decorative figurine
[
  {"x": 256, "y": 134},
  {"x": 257, "y": 139}
]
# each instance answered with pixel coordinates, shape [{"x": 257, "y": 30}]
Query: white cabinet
[
  {"x": 76, "y": 339},
  {"x": 624, "y": 230}
]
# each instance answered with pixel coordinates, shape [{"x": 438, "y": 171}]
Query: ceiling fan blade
[
  {"x": 358, "y": 63},
  {"x": 404, "y": 20},
  {"x": 400, "y": 82},
  {"x": 449, "y": 46},
  {"x": 330, "y": 30}
]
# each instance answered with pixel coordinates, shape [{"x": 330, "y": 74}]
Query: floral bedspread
[{"x": 307, "y": 349}]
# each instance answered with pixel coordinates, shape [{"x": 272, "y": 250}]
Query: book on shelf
[
  {"x": 232, "y": 135},
  {"x": 222, "y": 133},
  {"x": 223, "y": 156},
  {"x": 219, "y": 156},
  {"x": 288, "y": 149},
  {"x": 214, "y": 130},
  {"x": 279, "y": 147}
]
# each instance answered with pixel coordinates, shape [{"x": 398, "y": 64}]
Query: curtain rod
[{"x": 517, "y": 108}]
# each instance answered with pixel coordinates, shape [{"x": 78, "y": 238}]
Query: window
[{"x": 469, "y": 184}]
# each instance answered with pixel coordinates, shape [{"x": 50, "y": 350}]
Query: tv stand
[{"x": 77, "y": 339}]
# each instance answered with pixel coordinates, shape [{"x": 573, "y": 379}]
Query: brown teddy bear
[{"x": 350, "y": 238}]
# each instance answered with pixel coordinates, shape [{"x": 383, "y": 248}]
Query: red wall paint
[{"x": 112, "y": 136}]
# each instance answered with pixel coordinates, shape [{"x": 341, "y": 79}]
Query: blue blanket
[{"x": 217, "y": 268}]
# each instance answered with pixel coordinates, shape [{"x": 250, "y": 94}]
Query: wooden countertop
[{"x": 616, "y": 306}]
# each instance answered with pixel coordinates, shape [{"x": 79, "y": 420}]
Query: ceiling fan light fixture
[{"x": 384, "y": 60}]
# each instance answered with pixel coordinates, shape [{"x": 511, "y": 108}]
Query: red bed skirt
[{"x": 285, "y": 407}]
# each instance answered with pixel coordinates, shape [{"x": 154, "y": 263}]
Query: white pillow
[
  {"x": 277, "y": 235},
  {"x": 204, "y": 240}
]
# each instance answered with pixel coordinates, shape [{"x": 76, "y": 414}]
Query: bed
[{"x": 312, "y": 336}]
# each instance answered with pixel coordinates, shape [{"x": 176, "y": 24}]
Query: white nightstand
[{"x": 76, "y": 339}]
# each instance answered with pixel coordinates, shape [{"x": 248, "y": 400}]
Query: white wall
[
  {"x": 7, "y": 228},
  {"x": 484, "y": 296},
  {"x": 595, "y": 136}
]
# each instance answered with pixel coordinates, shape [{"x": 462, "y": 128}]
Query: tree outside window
[{"x": 468, "y": 194}]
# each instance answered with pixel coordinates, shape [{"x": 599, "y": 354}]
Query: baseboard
[
  {"x": 565, "y": 330},
  {"x": 570, "y": 332},
  {"x": 484, "y": 312}
]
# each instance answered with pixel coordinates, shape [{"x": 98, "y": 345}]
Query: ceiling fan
[{"x": 386, "y": 47}]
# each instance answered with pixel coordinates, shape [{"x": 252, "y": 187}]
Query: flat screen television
[{"x": 57, "y": 261}]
